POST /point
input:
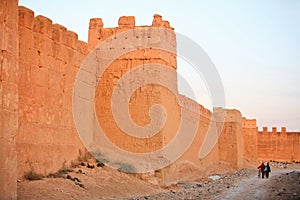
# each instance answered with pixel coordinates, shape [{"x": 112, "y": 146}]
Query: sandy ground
[
  {"x": 86, "y": 183},
  {"x": 106, "y": 183}
]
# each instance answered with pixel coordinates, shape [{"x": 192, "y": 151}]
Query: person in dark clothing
[
  {"x": 268, "y": 170},
  {"x": 262, "y": 168}
]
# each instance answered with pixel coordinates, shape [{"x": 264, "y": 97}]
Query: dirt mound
[{"x": 86, "y": 182}]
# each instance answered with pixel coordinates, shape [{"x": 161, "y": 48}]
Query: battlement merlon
[
  {"x": 283, "y": 129},
  {"x": 159, "y": 22},
  {"x": 249, "y": 123},
  {"x": 127, "y": 21},
  {"x": 274, "y": 130},
  {"x": 97, "y": 32}
]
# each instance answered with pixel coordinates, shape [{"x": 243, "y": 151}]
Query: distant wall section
[{"x": 278, "y": 145}]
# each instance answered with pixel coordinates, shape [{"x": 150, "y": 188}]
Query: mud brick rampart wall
[
  {"x": 39, "y": 63},
  {"x": 278, "y": 145},
  {"x": 49, "y": 57}
]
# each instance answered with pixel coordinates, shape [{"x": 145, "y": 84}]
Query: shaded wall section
[
  {"x": 189, "y": 166},
  {"x": 230, "y": 142},
  {"x": 250, "y": 130},
  {"x": 8, "y": 97}
]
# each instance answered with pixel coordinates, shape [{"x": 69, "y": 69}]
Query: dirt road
[
  {"x": 254, "y": 187},
  {"x": 282, "y": 184}
]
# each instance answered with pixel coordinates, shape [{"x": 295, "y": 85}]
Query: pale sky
[{"x": 255, "y": 46}]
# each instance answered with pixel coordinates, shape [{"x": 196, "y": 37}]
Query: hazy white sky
[{"x": 255, "y": 45}]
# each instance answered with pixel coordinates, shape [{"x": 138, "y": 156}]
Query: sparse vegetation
[
  {"x": 59, "y": 174},
  {"x": 32, "y": 176}
]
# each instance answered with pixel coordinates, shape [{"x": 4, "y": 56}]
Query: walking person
[
  {"x": 268, "y": 170},
  {"x": 259, "y": 171},
  {"x": 262, "y": 168}
]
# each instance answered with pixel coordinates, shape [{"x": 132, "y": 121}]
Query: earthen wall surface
[
  {"x": 49, "y": 57},
  {"x": 147, "y": 94},
  {"x": 249, "y": 129},
  {"x": 278, "y": 145},
  {"x": 8, "y": 97},
  {"x": 230, "y": 142},
  {"x": 190, "y": 162}
]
